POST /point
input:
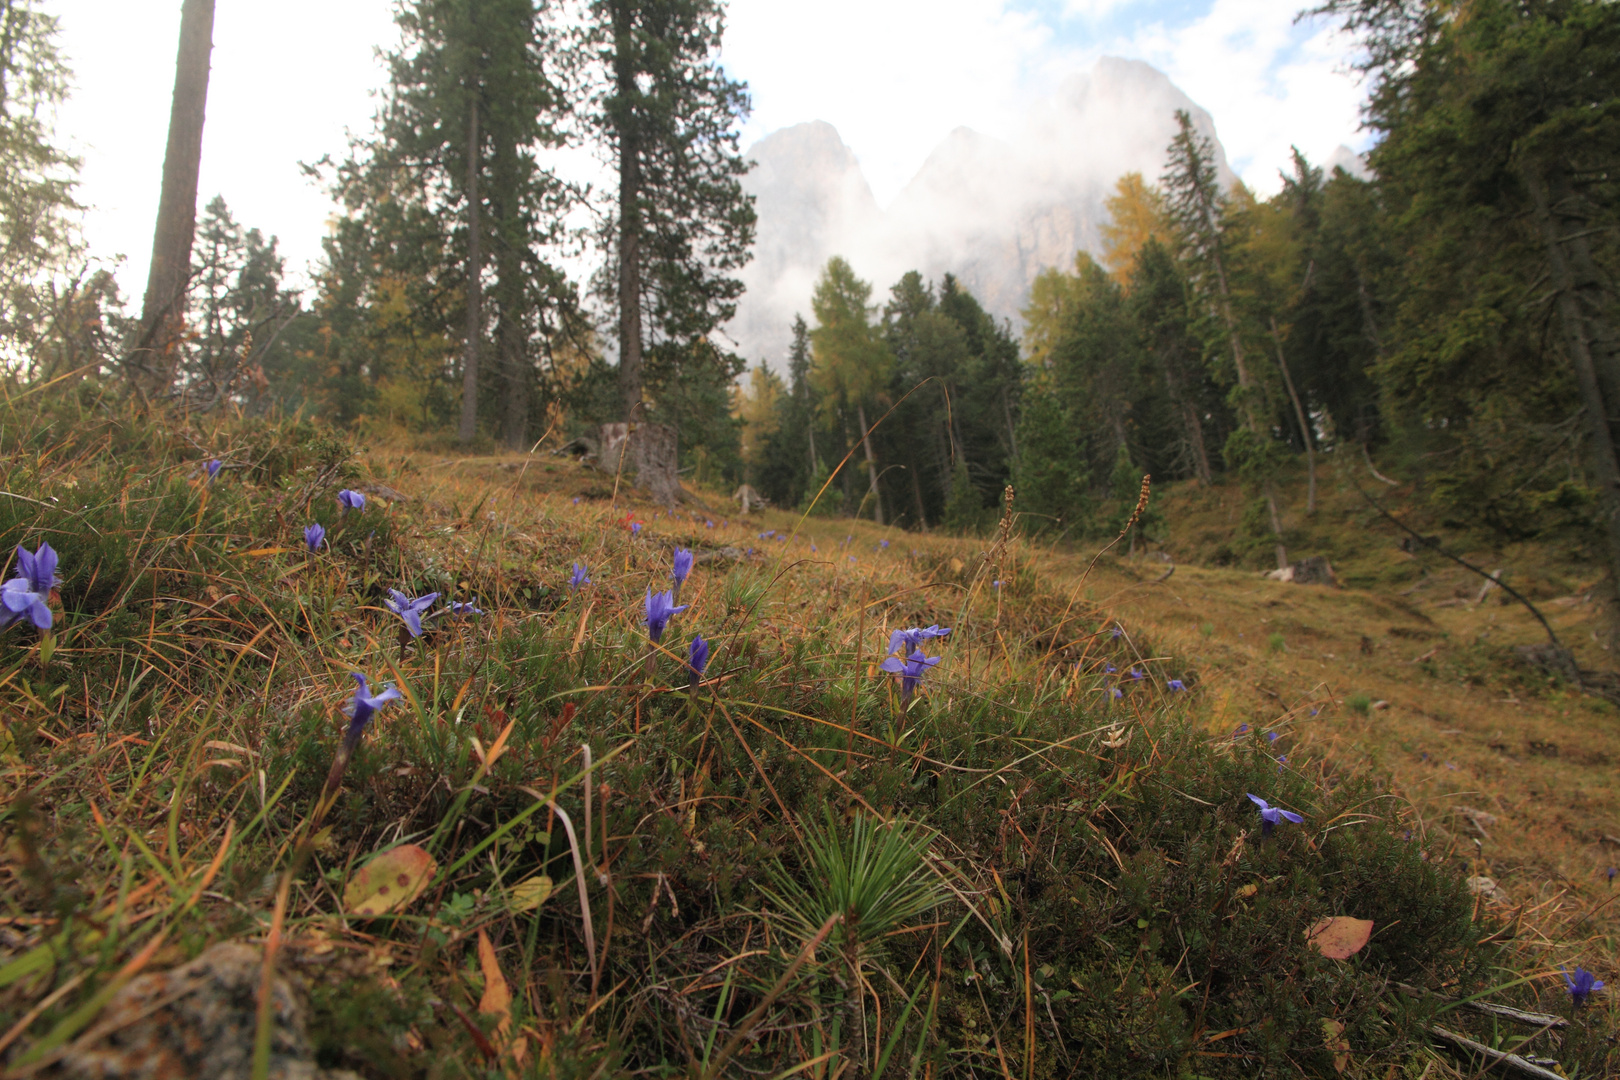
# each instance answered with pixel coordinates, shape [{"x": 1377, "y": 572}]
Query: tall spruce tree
[
  {"x": 851, "y": 362},
  {"x": 38, "y": 235},
  {"x": 1195, "y": 205},
  {"x": 447, "y": 188},
  {"x": 681, "y": 223}
]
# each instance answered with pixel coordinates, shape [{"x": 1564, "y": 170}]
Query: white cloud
[
  {"x": 893, "y": 76},
  {"x": 1268, "y": 82}
]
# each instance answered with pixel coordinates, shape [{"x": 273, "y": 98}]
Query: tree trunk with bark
[
  {"x": 475, "y": 285},
  {"x": 1564, "y": 249},
  {"x": 871, "y": 463},
  {"x": 155, "y": 356},
  {"x": 1299, "y": 414}
]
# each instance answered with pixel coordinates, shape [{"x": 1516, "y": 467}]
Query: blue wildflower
[
  {"x": 1272, "y": 736},
  {"x": 29, "y": 593},
  {"x": 410, "y": 611},
  {"x": 580, "y": 577},
  {"x": 213, "y": 468},
  {"x": 1242, "y": 729},
  {"x": 697, "y": 658},
  {"x": 884, "y": 544},
  {"x": 314, "y": 536},
  {"x": 910, "y": 670},
  {"x": 1271, "y": 815},
  {"x": 908, "y": 641},
  {"x": 635, "y": 528},
  {"x": 576, "y": 500},
  {"x": 997, "y": 584},
  {"x": 1117, "y": 631},
  {"x": 1135, "y": 674},
  {"x": 351, "y": 500},
  {"x": 1612, "y": 872},
  {"x": 1109, "y": 669},
  {"x": 1176, "y": 685},
  {"x": 365, "y": 704},
  {"x": 708, "y": 524},
  {"x": 1117, "y": 693},
  {"x": 1581, "y": 985},
  {"x": 683, "y": 565},
  {"x": 461, "y": 611},
  {"x": 660, "y": 608}
]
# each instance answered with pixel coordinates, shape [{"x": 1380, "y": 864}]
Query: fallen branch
[
  {"x": 1511, "y": 1062},
  {"x": 1504, "y": 1012}
]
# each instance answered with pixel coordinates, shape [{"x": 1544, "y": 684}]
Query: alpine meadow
[{"x": 638, "y": 606}]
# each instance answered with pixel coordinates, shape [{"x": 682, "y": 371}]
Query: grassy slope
[
  {"x": 1095, "y": 895},
  {"x": 1460, "y": 722}
]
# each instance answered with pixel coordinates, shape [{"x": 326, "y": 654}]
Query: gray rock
[{"x": 197, "y": 1020}]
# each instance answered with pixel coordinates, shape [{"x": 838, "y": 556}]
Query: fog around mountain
[{"x": 993, "y": 211}]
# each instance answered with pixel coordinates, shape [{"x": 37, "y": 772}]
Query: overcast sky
[{"x": 290, "y": 78}]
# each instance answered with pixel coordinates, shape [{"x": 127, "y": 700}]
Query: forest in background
[{"x": 1452, "y": 314}]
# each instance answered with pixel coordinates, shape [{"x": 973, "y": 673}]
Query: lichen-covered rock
[{"x": 196, "y": 1020}]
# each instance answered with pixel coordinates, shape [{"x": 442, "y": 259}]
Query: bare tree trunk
[
  {"x": 871, "y": 463},
  {"x": 916, "y": 493},
  {"x": 1588, "y": 374},
  {"x": 475, "y": 284},
  {"x": 163, "y": 309},
  {"x": 1245, "y": 385},
  {"x": 1299, "y": 414},
  {"x": 629, "y": 219}
]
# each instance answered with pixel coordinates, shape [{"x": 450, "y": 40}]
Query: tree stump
[{"x": 652, "y": 449}]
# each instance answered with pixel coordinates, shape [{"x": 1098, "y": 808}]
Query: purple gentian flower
[
  {"x": 29, "y": 593},
  {"x": 460, "y": 610},
  {"x": 1272, "y": 736},
  {"x": 910, "y": 670},
  {"x": 1242, "y": 729},
  {"x": 1581, "y": 984},
  {"x": 1109, "y": 669},
  {"x": 1118, "y": 693},
  {"x": 884, "y": 544},
  {"x": 364, "y": 705},
  {"x": 697, "y": 658},
  {"x": 1612, "y": 871},
  {"x": 908, "y": 641},
  {"x": 213, "y": 468},
  {"x": 708, "y": 524},
  {"x": 314, "y": 536},
  {"x": 660, "y": 609},
  {"x": 581, "y": 577},
  {"x": 410, "y": 610},
  {"x": 1135, "y": 674},
  {"x": 1176, "y": 685},
  {"x": 351, "y": 500},
  {"x": 1270, "y": 815},
  {"x": 683, "y": 565},
  {"x": 635, "y": 528},
  {"x": 997, "y": 584},
  {"x": 576, "y": 500},
  {"x": 1117, "y": 630}
]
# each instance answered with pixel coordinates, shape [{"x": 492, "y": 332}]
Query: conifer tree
[
  {"x": 449, "y": 187},
  {"x": 1195, "y": 206},
  {"x": 851, "y": 362},
  {"x": 37, "y": 234},
  {"x": 682, "y": 223}
]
